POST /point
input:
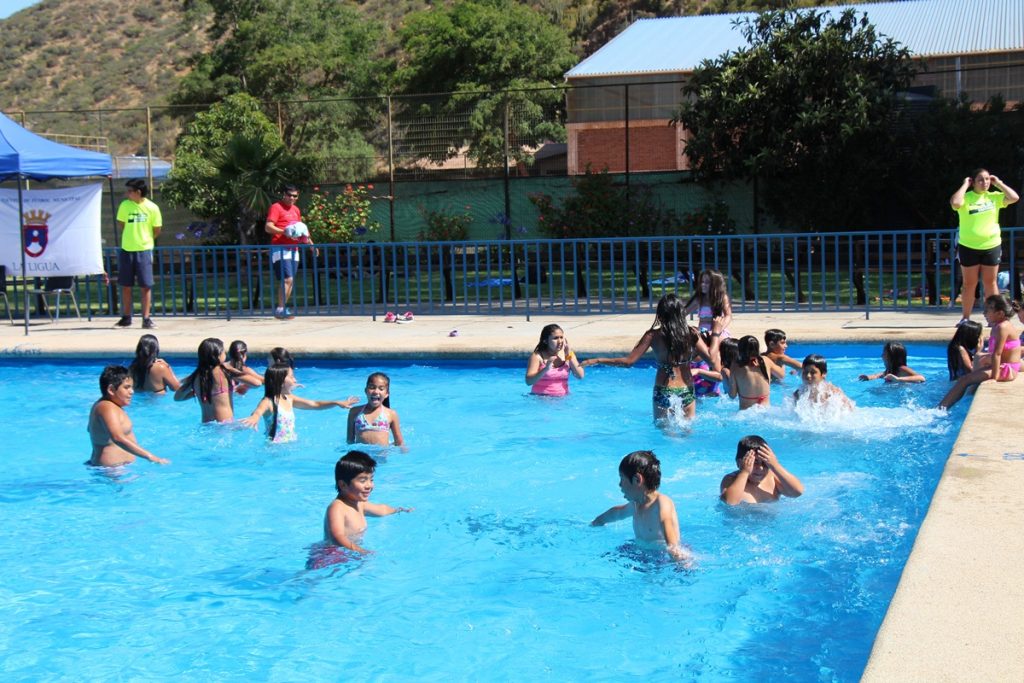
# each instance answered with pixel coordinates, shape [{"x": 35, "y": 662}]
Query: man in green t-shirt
[{"x": 140, "y": 222}]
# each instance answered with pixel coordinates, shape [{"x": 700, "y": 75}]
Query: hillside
[{"x": 79, "y": 55}]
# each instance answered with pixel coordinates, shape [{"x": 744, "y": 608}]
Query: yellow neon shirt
[
  {"x": 139, "y": 221},
  {"x": 979, "y": 219}
]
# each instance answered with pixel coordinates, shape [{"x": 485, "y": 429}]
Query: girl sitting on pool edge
[{"x": 1002, "y": 362}]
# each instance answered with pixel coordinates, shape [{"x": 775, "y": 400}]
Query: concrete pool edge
[{"x": 958, "y": 612}]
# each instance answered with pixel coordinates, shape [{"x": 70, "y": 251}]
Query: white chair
[{"x": 58, "y": 286}]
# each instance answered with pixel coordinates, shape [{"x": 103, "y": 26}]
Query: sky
[{"x": 9, "y": 7}]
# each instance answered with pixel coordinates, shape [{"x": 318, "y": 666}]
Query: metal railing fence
[{"x": 780, "y": 272}]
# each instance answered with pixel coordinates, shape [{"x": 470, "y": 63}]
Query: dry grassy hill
[{"x": 87, "y": 55}]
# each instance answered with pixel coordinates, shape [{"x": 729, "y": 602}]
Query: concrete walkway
[
  {"x": 958, "y": 613},
  {"x": 480, "y": 337}
]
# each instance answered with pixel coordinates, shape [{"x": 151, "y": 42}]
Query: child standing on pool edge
[
  {"x": 371, "y": 422},
  {"x": 345, "y": 519},
  {"x": 655, "y": 522}
]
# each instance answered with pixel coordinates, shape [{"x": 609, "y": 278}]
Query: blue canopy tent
[{"x": 27, "y": 156}]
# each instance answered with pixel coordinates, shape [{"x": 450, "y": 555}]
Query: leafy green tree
[
  {"x": 230, "y": 165},
  {"x": 935, "y": 149},
  {"x": 292, "y": 52},
  {"x": 805, "y": 111},
  {"x": 477, "y": 48}
]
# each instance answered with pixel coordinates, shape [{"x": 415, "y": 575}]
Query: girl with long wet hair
[
  {"x": 674, "y": 344},
  {"x": 149, "y": 372}
]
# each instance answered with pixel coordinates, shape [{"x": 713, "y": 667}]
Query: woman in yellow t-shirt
[{"x": 980, "y": 242}]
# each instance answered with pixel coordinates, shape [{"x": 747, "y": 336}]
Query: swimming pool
[{"x": 197, "y": 569}]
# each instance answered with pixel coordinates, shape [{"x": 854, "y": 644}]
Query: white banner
[{"x": 62, "y": 231}]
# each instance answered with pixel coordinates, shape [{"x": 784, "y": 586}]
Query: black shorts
[
  {"x": 979, "y": 257},
  {"x": 135, "y": 265}
]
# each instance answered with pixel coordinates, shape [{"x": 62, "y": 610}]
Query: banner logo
[{"x": 37, "y": 232}]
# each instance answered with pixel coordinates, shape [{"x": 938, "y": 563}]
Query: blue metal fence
[{"x": 800, "y": 271}]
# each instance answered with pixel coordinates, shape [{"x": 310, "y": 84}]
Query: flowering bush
[
  {"x": 506, "y": 228},
  {"x": 443, "y": 226},
  {"x": 339, "y": 217},
  {"x": 203, "y": 232}
]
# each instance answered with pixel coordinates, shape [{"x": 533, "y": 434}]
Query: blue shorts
[
  {"x": 135, "y": 265},
  {"x": 285, "y": 269}
]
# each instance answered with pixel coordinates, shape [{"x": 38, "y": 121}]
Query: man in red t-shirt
[{"x": 284, "y": 254}]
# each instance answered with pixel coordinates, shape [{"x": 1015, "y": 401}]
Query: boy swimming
[
  {"x": 345, "y": 519},
  {"x": 654, "y": 514},
  {"x": 110, "y": 428},
  {"x": 759, "y": 477}
]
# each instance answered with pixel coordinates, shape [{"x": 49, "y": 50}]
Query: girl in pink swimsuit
[
  {"x": 1002, "y": 362},
  {"x": 547, "y": 371}
]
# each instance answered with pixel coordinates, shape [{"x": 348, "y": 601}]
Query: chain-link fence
[{"x": 482, "y": 154}]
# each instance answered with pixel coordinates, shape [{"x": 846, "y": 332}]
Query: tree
[
  {"x": 475, "y": 49},
  {"x": 295, "y": 51},
  {"x": 805, "y": 110},
  {"x": 230, "y": 164},
  {"x": 936, "y": 148}
]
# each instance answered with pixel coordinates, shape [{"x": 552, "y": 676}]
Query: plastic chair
[
  {"x": 3, "y": 292},
  {"x": 58, "y": 286}
]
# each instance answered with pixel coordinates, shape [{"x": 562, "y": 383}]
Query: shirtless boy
[
  {"x": 654, "y": 514},
  {"x": 776, "y": 343},
  {"x": 110, "y": 429},
  {"x": 761, "y": 478},
  {"x": 345, "y": 520}
]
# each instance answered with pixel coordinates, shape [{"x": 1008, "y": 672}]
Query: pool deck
[{"x": 958, "y": 613}]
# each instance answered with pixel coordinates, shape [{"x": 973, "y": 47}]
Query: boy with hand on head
[
  {"x": 654, "y": 514},
  {"x": 761, "y": 478},
  {"x": 775, "y": 342},
  {"x": 345, "y": 520}
]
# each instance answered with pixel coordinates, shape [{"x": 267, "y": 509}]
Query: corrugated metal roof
[{"x": 928, "y": 28}]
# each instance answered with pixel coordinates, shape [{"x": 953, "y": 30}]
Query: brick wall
[{"x": 653, "y": 146}]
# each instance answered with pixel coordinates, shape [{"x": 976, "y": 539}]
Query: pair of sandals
[{"x": 406, "y": 317}]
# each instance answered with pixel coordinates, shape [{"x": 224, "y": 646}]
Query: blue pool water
[{"x": 195, "y": 571}]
